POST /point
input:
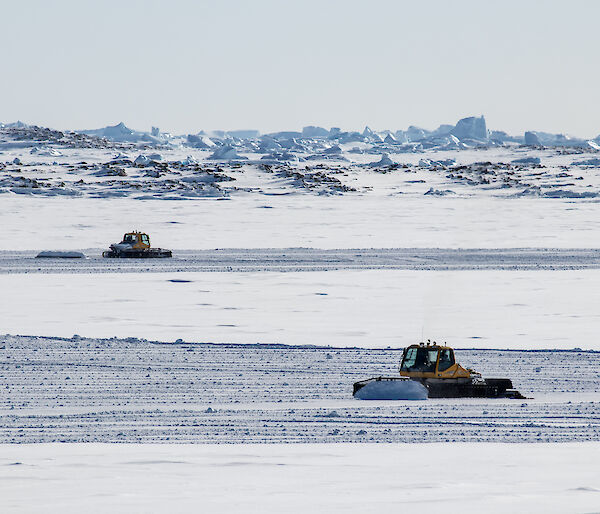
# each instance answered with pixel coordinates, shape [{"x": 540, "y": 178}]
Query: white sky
[{"x": 186, "y": 65}]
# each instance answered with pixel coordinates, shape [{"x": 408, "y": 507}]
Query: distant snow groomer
[
  {"x": 136, "y": 245},
  {"x": 435, "y": 367}
]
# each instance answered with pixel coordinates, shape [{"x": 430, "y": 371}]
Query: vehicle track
[{"x": 311, "y": 259}]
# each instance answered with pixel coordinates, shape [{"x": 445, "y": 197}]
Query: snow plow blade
[
  {"x": 389, "y": 388},
  {"x": 362, "y": 383}
]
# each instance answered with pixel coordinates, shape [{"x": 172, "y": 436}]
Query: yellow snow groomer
[
  {"x": 436, "y": 368},
  {"x": 135, "y": 245}
]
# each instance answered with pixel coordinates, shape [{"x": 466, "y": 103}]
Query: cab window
[
  {"x": 446, "y": 360},
  {"x": 145, "y": 239},
  {"x": 409, "y": 359},
  {"x": 419, "y": 359}
]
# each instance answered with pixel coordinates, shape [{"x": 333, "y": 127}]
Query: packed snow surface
[
  {"x": 311, "y": 259},
  {"x": 301, "y": 221},
  {"x": 271, "y": 479},
  {"x": 134, "y": 390}
]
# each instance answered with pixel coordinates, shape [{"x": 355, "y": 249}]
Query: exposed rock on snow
[
  {"x": 439, "y": 192},
  {"x": 277, "y": 157},
  {"x": 393, "y": 390},
  {"x": 429, "y": 163},
  {"x": 594, "y": 161}
]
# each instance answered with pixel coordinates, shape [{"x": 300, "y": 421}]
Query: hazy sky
[{"x": 186, "y": 65}]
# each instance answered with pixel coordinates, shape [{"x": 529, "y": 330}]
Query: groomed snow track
[
  {"x": 133, "y": 390},
  {"x": 311, "y": 259}
]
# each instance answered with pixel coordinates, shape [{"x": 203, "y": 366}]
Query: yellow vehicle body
[
  {"x": 422, "y": 361},
  {"x": 138, "y": 240}
]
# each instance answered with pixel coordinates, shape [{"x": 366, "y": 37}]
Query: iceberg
[
  {"x": 314, "y": 132},
  {"x": 141, "y": 160},
  {"x": 226, "y": 153},
  {"x": 471, "y": 128},
  {"x": 44, "y": 151},
  {"x": 200, "y": 141},
  {"x": 244, "y": 134},
  {"x": 532, "y": 139},
  {"x": 384, "y": 161}
]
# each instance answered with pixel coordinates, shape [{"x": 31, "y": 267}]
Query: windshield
[
  {"x": 129, "y": 238},
  {"x": 419, "y": 359}
]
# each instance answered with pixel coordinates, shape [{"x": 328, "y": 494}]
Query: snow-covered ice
[
  {"x": 366, "y": 308},
  {"x": 267, "y": 479}
]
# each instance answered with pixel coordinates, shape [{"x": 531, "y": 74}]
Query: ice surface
[
  {"x": 272, "y": 479},
  {"x": 367, "y": 308}
]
